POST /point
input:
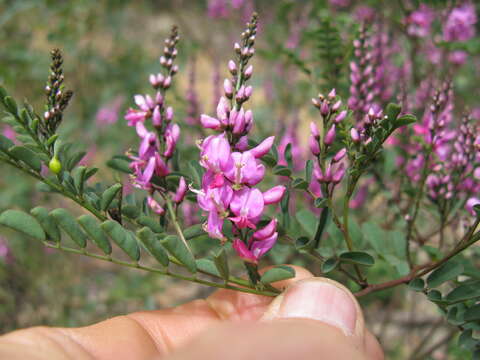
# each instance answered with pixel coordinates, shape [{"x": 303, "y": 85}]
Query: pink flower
[
  {"x": 181, "y": 191},
  {"x": 134, "y": 116},
  {"x": 215, "y": 156},
  {"x": 172, "y": 133},
  {"x": 246, "y": 169},
  {"x": 460, "y": 24},
  {"x": 247, "y": 205},
  {"x": 263, "y": 148},
  {"x": 258, "y": 245},
  {"x": 155, "y": 206},
  {"x": 274, "y": 195},
  {"x": 471, "y": 203},
  {"x": 420, "y": 21}
]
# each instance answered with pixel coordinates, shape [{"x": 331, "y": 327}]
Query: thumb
[{"x": 313, "y": 317}]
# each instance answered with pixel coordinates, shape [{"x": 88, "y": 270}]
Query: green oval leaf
[
  {"x": 123, "y": 238},
  {"x": 463, "y": 292},
  {"x": 446, "y": 272},
  {"x": 329, "y": 265},
  {"x": 308, "y": 171},
  {"x": 92, "y": 228},
  {"x": 208, "y": 266},
  {"x": 473, "y": 313},
  {"x": 153, "y": 246},
  {"x": 48, "y": 223},
  {"x": 417, "y": 284},
  {"x": 358, "y": 258},
  {"x": 108, "y": 196},
  {"x": 119, "y": 165},
  {"x": 22, "y": 222},
  {"x": 130, "y": 211},
  {"x": 299, "y": 184},
  {"x": 27, "y": 156},
  {"x": 177, "y": 248},
  {"x": 68, "y": 223},
  {"x": 11, "y": 105},
  {"x": 193, "y": 231},
  {"x": 151, "y": 223},
  {"x": 282, "y": 170},
  {"x": 277, "y": 273}
]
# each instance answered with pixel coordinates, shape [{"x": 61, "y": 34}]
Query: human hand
[{"x": 313, "y": 317}]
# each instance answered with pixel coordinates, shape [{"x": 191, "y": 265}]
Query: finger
[
  {"x": 329, "y": 302},
  {"x": 143, "y": 335},
  {"x": 280, "y": 340}
]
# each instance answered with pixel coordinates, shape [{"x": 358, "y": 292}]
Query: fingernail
[{"x": 322, "y": 301}]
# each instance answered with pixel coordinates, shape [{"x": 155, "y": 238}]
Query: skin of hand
[{"x": 313, "y": 318}]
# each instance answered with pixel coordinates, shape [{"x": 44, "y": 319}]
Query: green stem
[{"x": 161, "y": 271}]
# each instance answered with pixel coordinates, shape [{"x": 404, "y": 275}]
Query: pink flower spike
[
  {"x": 263, "y": 148},
  {"x": 181, "y": 191},
  {"x": 330, "y": 136},
  {"x": 274, "y": 195}
]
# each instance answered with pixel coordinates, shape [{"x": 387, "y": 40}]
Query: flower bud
[
  {"x": 332, "y": 94},
  {"x": 324, "y": 108},
  {"x": 157, "y": 117},
  {"x": 167, "y": 82},
  {"x": 342, "y": 115},
  {"x": 169, "y": 114},
  {"x": 263, "y": 148},
  {"x": 336, "y": 106},
  {"x": 338, "y": 175},
  {"x": 181, "y": 191},
  {"x": 232, "y": 67},
  {"x": 354, "y": 135},
  {"x": 313, "y": 144},
  {"x": 330, "y": 136},
  {"x": 54, "y": 165},
  {"x": 339, "y": 155},
  {"x": 155, "y": 206},
  {"x": 248, "y": 72},
  {"x": 209, "y": 122},
  {"x": 248, "y": 91},
  {"x": 274, "y": 195},
  {"x": 228, "y": 88}
]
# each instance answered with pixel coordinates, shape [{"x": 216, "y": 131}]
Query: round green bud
[{"x": 54, "y": 165}]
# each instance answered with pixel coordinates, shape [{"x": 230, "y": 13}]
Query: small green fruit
[{"x": 54, "y": 165}]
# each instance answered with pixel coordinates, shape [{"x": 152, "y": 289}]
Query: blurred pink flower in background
[{"x": 110, "y": 112}]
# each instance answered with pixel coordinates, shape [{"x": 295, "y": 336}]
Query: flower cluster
[
  {"x": 420, "y": 21},
  {"x": 328, "y": 173},
  {"x": 156, "y": 146},
  {"x": 460, "y": 24},
  {"x": 232, "y": 168}
]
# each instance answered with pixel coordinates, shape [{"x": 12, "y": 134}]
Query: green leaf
[
  {"x": 108, "y": 196},
  {"x": 464, "y": 292},
  {"x": 48, "y": 223},
  {"x": 277, "y": 273},
  {"x": 119, "y": 165},
  {"x": 405, "y": 120},
  {"x": 288, "y": 155},
  {"x": 177, "y": 248},
  {"x": 375, "y": 236},
  {"x": 466, "y": 340},
  {"x": 417, "y": 284},
  {"x": 329, "y": 265},
  {"x": 434, "y": 296},
  {"x": 5, "y": 143},
  {"x": 392, "y": 111},
  {"x": 303, "y": 243},
  {"x": 193, "y": 231},
  {"x": 151, "y": 223},
  {"x": 221, "y": 263},
  {"x": 153, "y": 246},
  {"x": 299, "y": 184},
  {"x": 308, "y": 221},
  {"x": 308, "y": 171},
  {"x": 473, "y": 313},
  {"x": 123, "y": 238},
  {"x": 68, "y": 223},
  {"x": 208, "y": 266},
  {"x": 74, "y": 159},
  {"x": 197, "y": 173},
  {"x": 22, "y": 222},
  {"x": 11, "y": 105},
  {"x": 446, "y": 272},
  {"x": 357, "y": 257},
  {"x": 130, "y": 211},
  {"x": 27, "y": 156},
  {"x": 282, "y": 170},
  {"x": 92, "y": 228}
]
